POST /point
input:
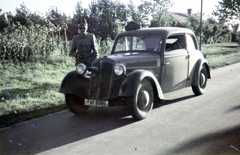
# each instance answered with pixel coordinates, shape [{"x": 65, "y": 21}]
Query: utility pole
[{"x": 200, "y": 46}]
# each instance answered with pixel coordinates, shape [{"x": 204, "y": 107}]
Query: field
[
  {"x": 223, "y": 54},
  {"x": 32, "y": 91}
]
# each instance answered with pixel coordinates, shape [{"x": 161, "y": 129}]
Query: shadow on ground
[
  {"x": 220, "y": 142},
  {"x": 46, "y": 133},
  {"x": 234, "y": 108},
  {"x": 8, "y": 120},
  {"x": 173, "y": 101}
]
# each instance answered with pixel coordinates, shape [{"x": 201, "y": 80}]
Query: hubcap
[
  {"x": 143, "y": 99},
  {"x": 202, "y": 79}
]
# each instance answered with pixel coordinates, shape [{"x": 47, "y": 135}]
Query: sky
[{"x": 68, "y": 6}]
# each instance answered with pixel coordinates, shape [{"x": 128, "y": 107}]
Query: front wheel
[
  {"x": 141, "y": 103},
  {"x": 75, "y": 104},
  {"x": 202, "y": 82}
]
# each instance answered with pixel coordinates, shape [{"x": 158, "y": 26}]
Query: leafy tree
[
  {"x": 155, "y": 8},
  {"x": 212, "y": 30},
  {"x": 22, "y": 14},
  {"x": 80, "y": 12},
  {"x": 56, "y": 17},
  {"x": 107, "y": 18},
  {"x": 133, "y": 13},
  {"x": 57, "y": 22},
  {"x": 36, "y": 18},
  {"x": 25, "y": 17},
  {"x": 3, "y": 21},
  {"x": 227, "y": 9},
  {"x": 194, "y": 24}
]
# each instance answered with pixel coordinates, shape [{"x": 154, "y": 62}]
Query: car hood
[
  {"x": 133, "y": 57},
  {"x": 135, "y": 60}
]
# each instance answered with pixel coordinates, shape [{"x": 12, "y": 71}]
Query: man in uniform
[{"x": 84, "y": 45}]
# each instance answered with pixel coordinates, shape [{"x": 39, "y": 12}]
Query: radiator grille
[{"x": 101, "y": 81}]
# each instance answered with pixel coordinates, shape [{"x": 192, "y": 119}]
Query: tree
[
  {"x": 22, "y": 13},
  {"x": 56, "y": 17},
  {"x": 3, "y": 21},
  {"x": 155, "y": 8},
  {"x": 134, "y": 14},
  {"x": 106, "y": 18},
  {"x": 227, "y": 12},
  {"x": 80, "y": 12},
  {"x": 227, "y": 9}
]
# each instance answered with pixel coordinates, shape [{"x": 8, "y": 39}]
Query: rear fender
[
  {"x": 73, "y": 83},
  {"x": 131, "y": 82}
]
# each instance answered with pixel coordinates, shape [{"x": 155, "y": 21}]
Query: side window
[
  {"x": 191, "y": 42},
  {"x": 175, "y": 43}
]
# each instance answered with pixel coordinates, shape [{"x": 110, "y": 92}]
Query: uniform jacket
[{"x": 86, "y": 46}]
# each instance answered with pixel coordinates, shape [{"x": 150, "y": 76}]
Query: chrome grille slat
[{"x": 100, "y": 86}]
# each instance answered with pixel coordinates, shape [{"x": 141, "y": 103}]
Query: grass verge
[
  {"x": 32, "y": 91},
  {"x": 219, "y": 55}
]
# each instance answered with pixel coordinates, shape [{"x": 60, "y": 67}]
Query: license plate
[{"x": 95, "y": 103}]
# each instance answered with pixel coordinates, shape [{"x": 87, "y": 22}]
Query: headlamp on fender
[
  {"x": 81, "y": 68},
  {"x": 120, "y": 69}
]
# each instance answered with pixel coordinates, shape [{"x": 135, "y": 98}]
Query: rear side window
[
  {"x": 175, "y": 42},
  {"x": 191, "y": 42}
]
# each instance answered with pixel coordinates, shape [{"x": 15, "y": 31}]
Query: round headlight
[
  {"x": 81, "y": 68},
  {"x": 119, "y": 69}
]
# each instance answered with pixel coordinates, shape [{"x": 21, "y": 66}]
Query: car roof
[{"x": 166, "y": 31}]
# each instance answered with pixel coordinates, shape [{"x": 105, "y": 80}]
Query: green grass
[
  {"x": 33, "y": 91},
  {"x": 219, "y": 55}
]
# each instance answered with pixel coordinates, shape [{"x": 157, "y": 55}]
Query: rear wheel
[
  {"x": 75, "y": 104},
  {"x": 202, "y": 82},
  {"x": 141, "y": 103}
]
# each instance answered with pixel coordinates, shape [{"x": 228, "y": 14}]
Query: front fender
[
  {"x": 199, "y": 64},
  {"x": 131, "y": 82},
  {"x": 73, "y": 83}
]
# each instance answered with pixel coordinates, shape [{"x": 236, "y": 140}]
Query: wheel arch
[
  {"x": 208, "y": 69},
  {"x": 74, "y": 84},
  {"x": 131, "y": 82},
  {"x": 200, "y": 62}
]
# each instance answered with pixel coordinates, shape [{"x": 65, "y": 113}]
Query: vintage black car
[{"x": 144, "y": 64}]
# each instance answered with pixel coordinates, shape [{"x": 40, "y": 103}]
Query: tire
[
  {"x": 202, "y": 82},
  {"x": 75, "y": 104},
  {"x": 141, "y": 104}
]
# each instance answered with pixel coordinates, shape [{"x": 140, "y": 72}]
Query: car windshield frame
[{"x": 138, "y": 43}]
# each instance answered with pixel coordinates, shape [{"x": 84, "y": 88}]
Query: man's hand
[{"x": 79, "y": 56}]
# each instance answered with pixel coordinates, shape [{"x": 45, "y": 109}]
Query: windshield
[{"x": 138, "y": 43}]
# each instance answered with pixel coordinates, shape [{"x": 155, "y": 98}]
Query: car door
[{"x": 176, "y": 64}]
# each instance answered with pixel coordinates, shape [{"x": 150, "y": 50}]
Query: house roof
[{"x": 180, "y": 17}]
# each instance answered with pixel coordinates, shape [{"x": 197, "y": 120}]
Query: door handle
[{"x": 166, "y": 63}]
